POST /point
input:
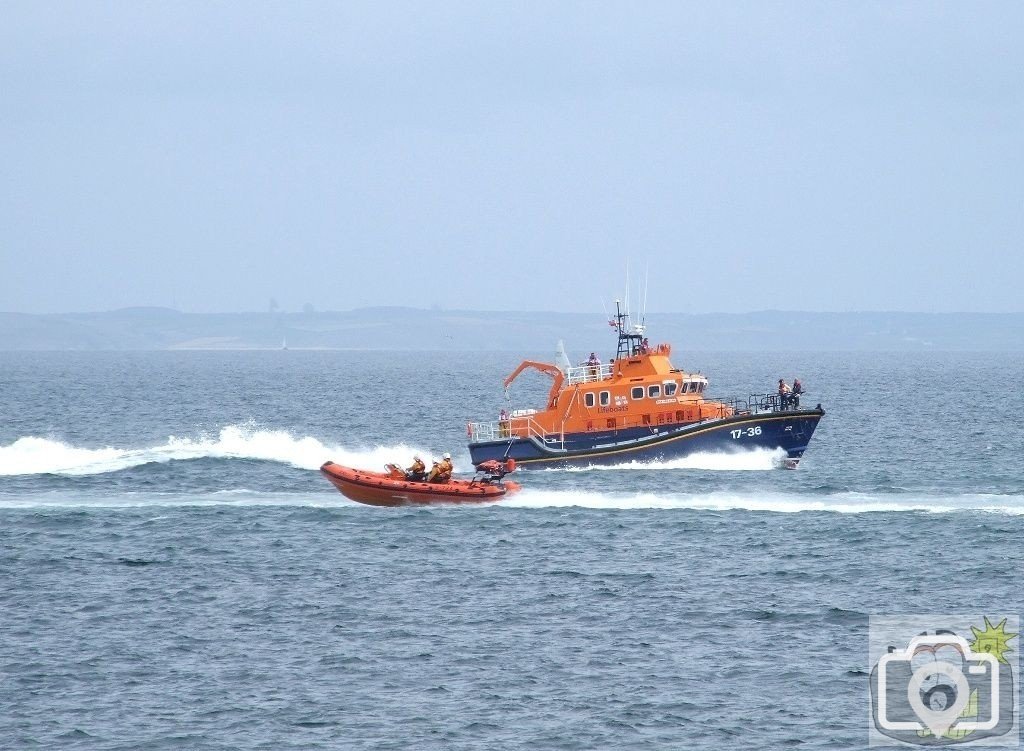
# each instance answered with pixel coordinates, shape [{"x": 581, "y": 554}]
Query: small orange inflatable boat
[{"x": 392, "y": 489}]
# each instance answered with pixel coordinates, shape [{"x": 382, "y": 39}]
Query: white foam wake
[
  {"x": 238, "y": 497},
  {"x": 840, "y": 503},
  {"x": 33, "y": 455},
  {"x": 741, "y": 461},
  {"x": 844, "y": 503}
]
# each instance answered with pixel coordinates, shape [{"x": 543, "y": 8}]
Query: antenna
[
  {"x": 647, "y": 276},
  {"x": 627, "y": 285}
]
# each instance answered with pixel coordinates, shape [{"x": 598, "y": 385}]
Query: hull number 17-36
[{"x": 749, "y": 432}]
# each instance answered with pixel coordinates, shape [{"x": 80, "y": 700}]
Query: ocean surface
[{"x": 177, "y": 575}]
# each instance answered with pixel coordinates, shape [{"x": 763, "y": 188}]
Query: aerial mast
[{"x": 630, "y": 338}]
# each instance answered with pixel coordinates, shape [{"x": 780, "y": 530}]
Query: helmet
[{"x": 447, "y": 455}]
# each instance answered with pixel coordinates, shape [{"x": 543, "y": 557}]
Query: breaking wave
[
  {"x": 241, "y": 497},
  {"x": 742, "y": 461},
  {"x": 838, "y": 503},
  {"x": 844, "y": 503},
  {"x": 33, "y": 455}
]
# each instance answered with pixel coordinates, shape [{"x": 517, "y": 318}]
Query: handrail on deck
[
  {"x": 774, "y": 402},
  {"x": 513, "y": 427},
  {"x": 589, "y": 373}
]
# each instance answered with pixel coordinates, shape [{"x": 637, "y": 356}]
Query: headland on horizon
[{"x": 401, "y": 328}]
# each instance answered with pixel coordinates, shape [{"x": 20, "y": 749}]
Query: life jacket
[
  {"x": 418, "y": 467},
  {"x": 444, "y": 470}
]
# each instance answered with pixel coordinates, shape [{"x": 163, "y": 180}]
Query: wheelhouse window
[
  {"x": 654, "y": 391},
  {"x": 588, "y": 398},
  {"x": 701, "y": 387},
  {"x": 605, "y": 398},
  {"x": 670, "y": 388},
  {"x": 637, "y": 392}
]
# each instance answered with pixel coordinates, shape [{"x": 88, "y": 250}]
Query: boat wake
[
  {"x": 539, "y": 499},
  {"x": 742, "y": 461},
  {"x": 34, "y": 455},
  {"x": 843, "y": 503},
  {"x": 239, "y": 497}
]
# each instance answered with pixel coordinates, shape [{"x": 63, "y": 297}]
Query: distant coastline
[{"x": 397, "y": 328}]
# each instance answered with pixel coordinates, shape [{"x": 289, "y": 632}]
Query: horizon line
[{"x": 438, "y": 309}]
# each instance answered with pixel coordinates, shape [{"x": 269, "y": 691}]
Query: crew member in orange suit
[{"x": 442, "y": 470}]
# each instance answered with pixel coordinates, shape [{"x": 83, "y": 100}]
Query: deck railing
[
  {"x": 517, "y": 427},
  {"x": 774, "y": 402},
  {"x": 589, "y": 373}
]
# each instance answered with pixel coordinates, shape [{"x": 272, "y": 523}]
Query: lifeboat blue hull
[{"x": 790, "y": 431}]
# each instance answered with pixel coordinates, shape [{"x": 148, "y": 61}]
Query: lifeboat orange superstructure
[{"x": 639, "y": 389}]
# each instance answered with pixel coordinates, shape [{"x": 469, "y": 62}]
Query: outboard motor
[{"x": 493, "y": 470}]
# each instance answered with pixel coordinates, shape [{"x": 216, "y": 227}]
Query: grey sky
[{"x": 802, "y": 156}]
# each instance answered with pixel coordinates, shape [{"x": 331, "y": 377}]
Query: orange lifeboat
[
  {"x": 391, "y": 488},
  {"x": 637, "y": 407}
]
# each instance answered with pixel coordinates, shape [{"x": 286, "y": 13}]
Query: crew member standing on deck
[
  {"x": 798, "y": 388},
  {"x": 783, "y": 394}
]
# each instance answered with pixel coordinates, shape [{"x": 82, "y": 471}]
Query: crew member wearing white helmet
[
  {"x": 442, "y": 470},
  {"x": 417, "y": 471}
]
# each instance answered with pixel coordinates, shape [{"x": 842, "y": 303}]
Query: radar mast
[{"x": 631, "y": 338}]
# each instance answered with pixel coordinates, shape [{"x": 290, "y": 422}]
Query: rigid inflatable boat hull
[{"x": 383, "y": 489}]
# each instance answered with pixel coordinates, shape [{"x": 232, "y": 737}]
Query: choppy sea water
[{"x": 178, "y": 575}]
